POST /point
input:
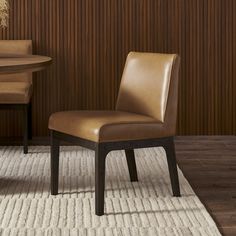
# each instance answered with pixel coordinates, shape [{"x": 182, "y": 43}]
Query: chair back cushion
[
  {"x": 16, "y": 47},
  {"x": 146, "y": 84}
]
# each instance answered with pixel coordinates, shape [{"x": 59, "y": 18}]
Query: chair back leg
[
  {"x": 130, "y": 157},
  {"x": 25, "y": 129},
  {"x": 172, "y": 166},
  {"x": 29, "y": 112}
]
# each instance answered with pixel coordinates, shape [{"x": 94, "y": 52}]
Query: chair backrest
[
  {"x": 16, "y": 47},
  {"x": 149, "y": 86}
]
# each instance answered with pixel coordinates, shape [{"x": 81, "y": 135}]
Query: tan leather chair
[
  {"x": 16, "y": 89},
  {"x": 145, "y": 116}
]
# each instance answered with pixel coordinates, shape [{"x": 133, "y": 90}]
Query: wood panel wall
[{"x": 89, "y": 41}]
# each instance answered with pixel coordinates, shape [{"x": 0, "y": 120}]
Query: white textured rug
[{"x": 143, "y": 208}]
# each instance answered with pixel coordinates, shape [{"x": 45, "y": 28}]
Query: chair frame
[
  {"x": 27, "y": 120},
  {"x": 101, "y": 151}
]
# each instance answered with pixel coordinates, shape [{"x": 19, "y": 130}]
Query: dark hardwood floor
[{"x": 209, "y": 164}]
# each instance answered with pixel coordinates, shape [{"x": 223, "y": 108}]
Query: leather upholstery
[
  {"x": 15, "y": 92},
  {"x": 16, "y": 47},
  {"x": 133, "y": 120},
  {"x": 102, "y": 126},
  {"x": 145, "y": 84},
  {"x": 15, "y": 88}
]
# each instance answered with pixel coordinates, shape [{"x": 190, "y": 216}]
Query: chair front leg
[
  {"x": 172, "y": 166},
  {"x": 130, "y": 157},
  {"x": 55, "y": 151},
  {"x": 100, "y": 168}
]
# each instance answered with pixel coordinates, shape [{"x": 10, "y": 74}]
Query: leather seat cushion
[
  {"x": 106, "y": 126},
  {"x": 15, "y": 92}
]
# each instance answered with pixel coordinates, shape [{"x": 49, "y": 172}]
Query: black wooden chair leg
[
  {"x": 55, "y": 149},
  {"x": 172, "y": 165},
  {"x": 100, "y": 168},
  {"x": 29, "y": 113},
  {"x": 130, "y": 157},
  {"x": 25, "y": 129}
]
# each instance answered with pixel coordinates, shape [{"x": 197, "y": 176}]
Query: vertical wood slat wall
[{"x": 90, "y": 39}]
